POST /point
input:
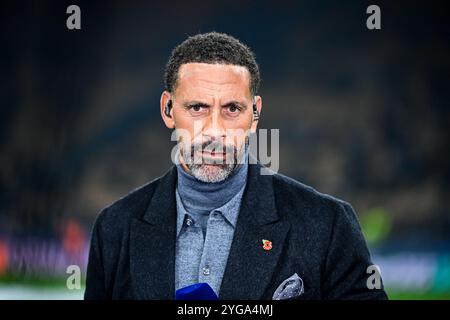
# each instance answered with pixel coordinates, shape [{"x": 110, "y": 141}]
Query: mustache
[
  {"x": 193, "y": 156},
  {"x": 213, "y": 146}
]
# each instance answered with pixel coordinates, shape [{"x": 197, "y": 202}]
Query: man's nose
[{"x": 214, "y": 126}]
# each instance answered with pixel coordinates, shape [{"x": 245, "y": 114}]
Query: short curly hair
[{"x": 211, "y": 47}]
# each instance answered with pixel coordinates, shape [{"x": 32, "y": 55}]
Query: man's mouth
[{"x": 214, "y": 154}]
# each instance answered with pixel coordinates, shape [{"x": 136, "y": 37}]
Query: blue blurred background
[{"x": 363, "y": 115}]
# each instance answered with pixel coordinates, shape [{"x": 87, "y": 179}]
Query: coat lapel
[
  {"x": 152, "y": 243},
  {"x": 250, "y": 267}
]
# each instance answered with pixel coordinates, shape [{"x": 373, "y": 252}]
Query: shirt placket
[
  {"x": 215, "y": 251},
  {"x": 188, "y": 253}
]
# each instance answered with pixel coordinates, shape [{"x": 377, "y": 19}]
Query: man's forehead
[
  {"x": 201, "y": 68},
  {"x": 205, "y": 75}
]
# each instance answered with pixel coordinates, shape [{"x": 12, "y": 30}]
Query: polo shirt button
[
  {"x": 206, "y": 271},
  {"x": 189, "y": 222}
]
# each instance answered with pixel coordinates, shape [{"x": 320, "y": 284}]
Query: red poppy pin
[{"x": 267, "y": 245}]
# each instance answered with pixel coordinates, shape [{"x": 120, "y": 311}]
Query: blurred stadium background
[{"x": 363, "y": 115}]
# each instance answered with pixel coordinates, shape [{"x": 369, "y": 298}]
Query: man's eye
[
  {"x": 233, "y": 109},
  {"x": 196, "y": 107}
]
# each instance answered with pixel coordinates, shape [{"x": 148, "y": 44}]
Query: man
[{"x": 213, "y": 217}]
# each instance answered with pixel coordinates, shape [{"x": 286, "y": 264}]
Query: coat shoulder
[
  {"x": 117, "y": 215},
  {"x": 300, "y": 201}
]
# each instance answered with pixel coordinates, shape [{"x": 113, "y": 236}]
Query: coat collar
[
  {"x": 249, "y": 267},
  {"x": 152, "y": 243}
]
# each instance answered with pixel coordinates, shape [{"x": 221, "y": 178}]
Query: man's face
[{"x": 212, "y": 114}]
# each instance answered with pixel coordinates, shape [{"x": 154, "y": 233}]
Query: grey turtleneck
[{"x": 200, "y": 198}]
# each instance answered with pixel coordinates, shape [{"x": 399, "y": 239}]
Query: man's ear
[
  {"x": 164, "y": 103},
  {"x": 258, "y": 103}
]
